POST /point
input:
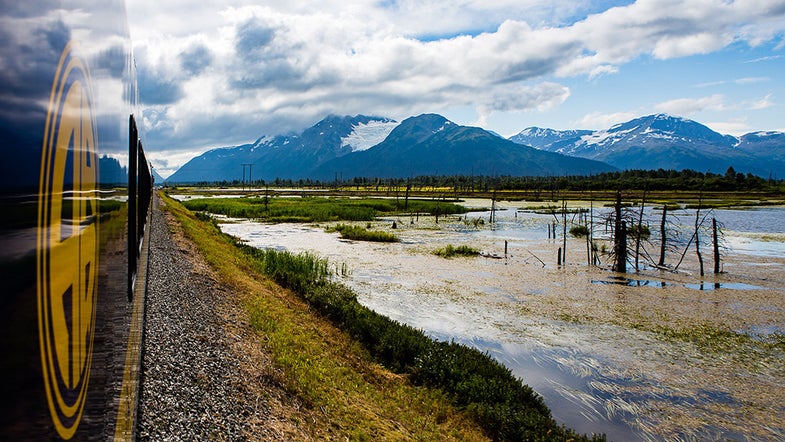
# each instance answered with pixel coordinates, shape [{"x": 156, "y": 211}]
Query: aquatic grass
[
  {"x": 450, "y": 251},
  {"x": 341, "y": 393},
  {"x": 358, "y": 233},
  {"x": 505, "y": 407},
  {"x": 477, "y": 385},
  {"x": 318, "y": 209},
  {"x": 579, "y": 231}
]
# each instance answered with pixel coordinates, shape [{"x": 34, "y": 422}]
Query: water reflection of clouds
[
  {"x": 756, "y": 244},
  {"x": 593, "y": 376}
]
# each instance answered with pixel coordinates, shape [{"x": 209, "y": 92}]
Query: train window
[
  {"x": 140, "y": 191},
  {"x": 133, "y": 250}
]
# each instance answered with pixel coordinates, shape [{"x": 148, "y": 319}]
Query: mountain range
[
  {"x": 429, "y": 144},
  {"x": 365, "y": 146},
  {"x": 666, "y": 142}
]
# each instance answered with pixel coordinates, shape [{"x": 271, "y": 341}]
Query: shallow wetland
[{"x": 646, "y": 355}]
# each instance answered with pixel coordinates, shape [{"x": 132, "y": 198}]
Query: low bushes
[
  {"x": 450, "y": 251},
  {"x": 317, "y": 209},
  {"x": 362, "y": 234},
  {"x": 506, "y": 409}
]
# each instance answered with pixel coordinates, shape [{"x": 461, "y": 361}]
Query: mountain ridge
[
  {"x": 662, "y": 141},
  {"x": 424, "y": 144},
  {"x": 428, "y": 144}
]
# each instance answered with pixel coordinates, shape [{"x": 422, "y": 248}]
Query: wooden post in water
[
  {"x": 619, "y": 239},
  {"x": 564, "y": 233},
  {"x": 663, "y": 237},
  {"x": 716, "y": 246},
  {"x": 588, "y": 240},
  {"x": 640, "y": 231},
  {"x": 558, "y": 257},
  {"x": 697, "y": 234}
]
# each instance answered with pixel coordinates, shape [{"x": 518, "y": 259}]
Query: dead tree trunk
[
  {"x": 564, "y": 232},
  {"x": 697, "y": 237},
  {"x": 640, "y": 230},
  {"x": 406, "y": 199},
  {"x": 663, "y": 236},
  {"x": 716, "y": 246},
  {"x": 619, "y": 239}
]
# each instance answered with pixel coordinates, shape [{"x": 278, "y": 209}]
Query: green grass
[
  {"x": 318, "y": 209},
  {"x": 333, "y": 374},
  {"x": 344, "y": 394},
  {"x": 358, "y": 233},
  {"x": 450, "y": 251},
  {"x": 498, "y": 401}
]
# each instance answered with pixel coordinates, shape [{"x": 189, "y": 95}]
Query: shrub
[
  {"x": 632, "y": 231},
  {"x": 579, "y": 231},
  {"x": 450, "y": 251},
  {"x": 361, "y": 234},
  {"x": 506, "y": 408}
]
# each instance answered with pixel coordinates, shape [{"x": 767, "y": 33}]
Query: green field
[
  {"x": 318, "y": 209},
  {"x": 328, "y": 351}
]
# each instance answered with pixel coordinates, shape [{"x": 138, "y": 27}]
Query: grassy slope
[{"x": 357, "y": 398}]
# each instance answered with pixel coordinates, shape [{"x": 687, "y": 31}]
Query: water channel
[{"x": 570, "y": 331}]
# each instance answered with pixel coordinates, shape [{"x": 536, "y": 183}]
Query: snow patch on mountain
[
  {"x": 366, "y": 135},
  {"x": 444, "y": 126}
]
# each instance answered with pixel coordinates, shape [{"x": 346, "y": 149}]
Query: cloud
[
  {"x": 237, "y": 69},
  {"x": 599, "y": 120},
  {"x": 763, "y": 103},
  {"x": 736, "y": 127},
  {"x": 689, "y": 106},
  {"x": 767, "y": 58},
  {"x": 195, "y": 59},
  {"x": 738, "y": 81},
  {"x": 156, "y": 90}
]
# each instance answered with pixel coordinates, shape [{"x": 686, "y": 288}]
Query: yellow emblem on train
[{"x": 67, "y": 247}]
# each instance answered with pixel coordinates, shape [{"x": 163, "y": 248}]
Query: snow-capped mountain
[
  {"x": 540, "y": 138},
  {"x": 430, "y": 144},
  {"x": 666, "y": 142},
  {"x": 287, "y": 156},
  {"x": 380, "y": 147}
]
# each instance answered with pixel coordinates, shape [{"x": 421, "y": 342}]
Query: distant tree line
[{"x": 654, "y": 180}]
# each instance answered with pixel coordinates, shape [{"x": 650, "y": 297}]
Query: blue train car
[{"x": 75, "y": 190}]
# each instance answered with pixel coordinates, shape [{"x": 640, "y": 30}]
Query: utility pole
[{"x": 250, "y": 170}]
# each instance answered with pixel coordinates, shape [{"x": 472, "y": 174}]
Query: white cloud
[
  {"x": 689, "y": 106},
  {"x": 763, "y": 103},
  {"x": 219, "y": 73},
  {"x": 735, "y": 127},
  {"x": 599, "y": 120}
]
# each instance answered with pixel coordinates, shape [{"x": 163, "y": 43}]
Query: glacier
[{"x": 366, "y": 135}]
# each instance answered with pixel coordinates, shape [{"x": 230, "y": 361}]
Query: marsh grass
[
  {"x": 450, "y": 251},
  {"x": 333, "y": 373},
  {"x": 318, "y": 209},
  {"x": 359, "y": 233},
  {"x": 498, "y": 401},
  {"x": 346, "y": 395}
]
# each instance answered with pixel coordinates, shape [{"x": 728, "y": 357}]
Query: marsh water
[{"x": 572, "y": 331}]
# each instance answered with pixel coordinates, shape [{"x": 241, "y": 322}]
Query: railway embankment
[
  {"x": 212, "y": 372},
  {"x": 204, "y": 377}
]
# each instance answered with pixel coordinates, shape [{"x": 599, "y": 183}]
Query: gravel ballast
[{"x": 204, "y": 376}]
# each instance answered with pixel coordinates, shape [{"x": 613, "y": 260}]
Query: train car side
[{"x": 75, "y": 192}]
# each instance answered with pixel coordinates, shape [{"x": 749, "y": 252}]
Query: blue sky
[{"x": 224, "y": 73}]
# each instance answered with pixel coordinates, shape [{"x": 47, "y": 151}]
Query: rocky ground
[{"x": 204, "y": 375}]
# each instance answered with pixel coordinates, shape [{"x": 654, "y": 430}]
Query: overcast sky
[{"x": 221, "y": 73}]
